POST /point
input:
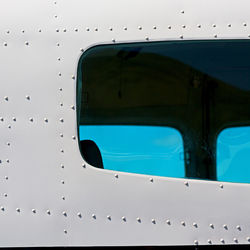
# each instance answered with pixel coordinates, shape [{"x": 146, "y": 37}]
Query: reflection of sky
[
  {"x": 233, "y": 155},
  {"x": 227, "y": 61},
  {"x": 138, "y": 149}
]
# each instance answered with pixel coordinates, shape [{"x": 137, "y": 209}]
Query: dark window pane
[{"x": 197, "y": 87}]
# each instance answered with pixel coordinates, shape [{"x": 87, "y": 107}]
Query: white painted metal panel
[{"x": 43, "y": 185}]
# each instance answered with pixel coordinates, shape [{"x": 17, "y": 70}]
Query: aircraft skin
[{"x": 49, "y": 196}]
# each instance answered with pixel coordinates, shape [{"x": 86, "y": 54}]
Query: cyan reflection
[
  {"x": 138, "y": 149},
  {"x": 233, "y": 155}
]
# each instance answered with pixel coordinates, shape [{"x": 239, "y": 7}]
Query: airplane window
[
  {"x": 191, "y": 90},
  {"x": 233, "y": 147},
  {"x": 137, "y": 149}
]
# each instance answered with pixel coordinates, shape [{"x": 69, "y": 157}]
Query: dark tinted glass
[{"x": 197, "y": 87}]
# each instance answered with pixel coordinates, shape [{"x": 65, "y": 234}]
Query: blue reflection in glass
[
  {"x": 138, "y": 149},
  {"x": 233, "y": 155}
]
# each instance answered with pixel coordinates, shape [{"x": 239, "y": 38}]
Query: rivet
[
  {"x": 9, "y": 126},
  {"x": 229, "y": 25},
  {"x": 109, "y": 217},
  {"x": 22, "y": 31},
  {"x": 93, "y": 216},
  {"x": 55, "y": 16},
  {"x": 60, "y": 89},
  {"x": 214, "y": 25},
  {"x": 34, "y": 211},
  {"x": 154, "y": 27},
  {"x": 57, "y": 30},
  {"x": 79, "y": 215},
  {"x": 61, "y": 104},
  {"x": 72, "y": 107},
  {"x": 153, "y": 221},
  {"x": 18, "y": 210},
  {"x": 62, "y": 166},
  {"x": 46, "y": 119},
  {"x": 62, "y": 181},
  {"x": 6, "y": 98},
  {"x": 113, "y": 40},
  {"x": 196, "y": 242},
  {"x": 6, "y": 177},
  {"x": 215, "y": 36},
  {"x": 248, "y": 239},
  {"x": 5, "y": 44},
  {"x": 61, "y": 120},
  {"x": 183, "y": 26},
  {"x": 151, "y": 180},
  {"x": 58, "y": 44},
  {"x": 64, "y": 213},
  {"x": 87, "y": 29},
  {"x": 169, "y": 27},
  {"x": 235, "y": 240},
  {"x": 61, "y": 150},
  {"x": 27, "y": 97},
  {"x": 63, "y": 198},
  {"x": 61, "y": 135},
  {"x": 73, "y": 137},
  {"x": 26, "y": 43},
  {"x": 183, "y": 223},
  {"x": 31, "y": 119},
  {"x": 39, "y": 30},
  {"x": 7, "y": 31},
  {"x": 60, "y": 74},
  {"x": 181, "y": 37},
  {"x": 222, "y": 241},
  {"x": 8, "y": 143},
  {"x": 58, "y": 59},
  {"x": 65, "y": 231},
  {"x": 55, "y": 2},
  {"x": 186, "y": 183},
  {"x": 48, "y": 212},
  {"x": 182, "y": 12},
  {"x": 14, "y": 119},
  {"x": 238, "y": 227},
  {"x": 116, "y": 176},
  {"x": 168, "y": 222},
  {"x": 199, "y": 25},
  {"x": 110, "y": 28},
  {"x": 221, "y": 185},
  {"x": 81, "y": 49},
  {"x": 5, "y": 195},
  {"x": 244, "y": 24},
  {"x": 64, "y": 30},
  {"x": 140, "y": 28},
  {"x": 96, "y": 29},
  {"x": 1, "y": 119},
  {"x": 73, "y": 77},
  {"x": 225, "y": 227},
  {"x": 2, "y": 208},
  {"x": 211, "y": 225},
  {"x": 209, "y": 241},
  {"x": 138, "y": 219},
  {"x": 195, "y": 225},
  {"x": 125, "y": 28},
  {"x": 7, "y": 160},
  {"x": 147, "y": 38},
  {"x": 83, "y": 165},
  {"x": 76, "y": 30},
  {"x": 123, "y": 218}
]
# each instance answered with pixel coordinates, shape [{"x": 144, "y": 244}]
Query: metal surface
[{"x": 48, "y": 195}]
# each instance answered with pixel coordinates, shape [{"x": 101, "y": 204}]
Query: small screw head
[
  {"x": 109, "y": 217},
  {"x": 73, "y": 77},
  {"x": 73, "y": 137},
  {"x": 31, "y": 119},
  {"x": 33, "y": 211},
  {"x": 140, "y": 28},
  {"x": 65, "y": 231},
  {"x": 14, "y": 119},
  {"x": 238, "y": 227},
  {"x": 183, "y": 223},
  {"x": 48, "y": 212},
  {"x": 6, "y": 98},
  {"x": 222, "y": 241},
  {"x": 1, "y": 119},
  {"x": 18, "y": 210},
  {"x": 124, "y": 218},
  {"x": 209, "y": 241},
  {"x": 72, "y": 107},
  {"x": 138, "y": 220},
  {"x": 235, "y": 240},
  {"x": 151, "y": 180},
  {"x": 168, "y": 222},
  {"x": 195, "y": 225},
  {"x": 196, "y": 242},
  {"x": 61, "y": 120},
  {"x": 5, "y": 195},
  {"x": 225, "y": 227},
  {"x": 27, "y": 97},
  {"x": 116, "y": 176},
  {"x": 93, "y": 216},
  {"x": 211, "y": 225},
  {"x": 62, "y": 181},
  {"x": 83, "y": 165},
  {"x": 186, "y": 183},
  {"x": 27, "y": 43},
  {"x": 5, "y": 44},
  {"x": 199, "y": 25},
  {"x": 2, "y": 208},
  {"x": 248, "y": 239},
  {"x": 221, "y": 185},
  {"x": 153, "y": 221},
  {"x": 46, "y": 120},
  {"x": 79, "y": 215},
  {"x": 64, "y": 214},
  {"x": 76, "y": 30},
  {"x": 169, "y": 27}
]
